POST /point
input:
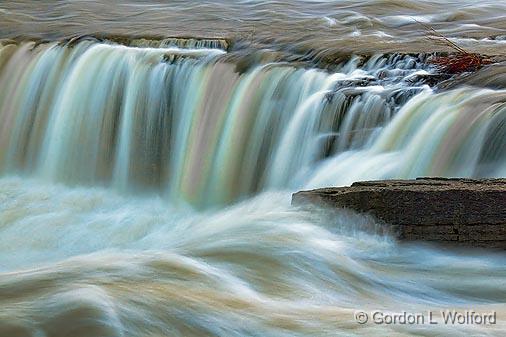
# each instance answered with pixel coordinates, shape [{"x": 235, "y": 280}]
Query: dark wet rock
[
  {"x": 429, "y": 79},
  {"x": 455, "y": 211}
]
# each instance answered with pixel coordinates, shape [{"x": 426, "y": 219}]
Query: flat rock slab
[{"x": 457, "y": 211}]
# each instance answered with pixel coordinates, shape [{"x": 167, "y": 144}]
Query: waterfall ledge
[{"x": 452, "y": 211}]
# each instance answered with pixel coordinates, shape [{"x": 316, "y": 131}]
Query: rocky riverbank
[{"x": 452, "y": 211}]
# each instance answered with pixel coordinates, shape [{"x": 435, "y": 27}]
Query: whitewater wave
[{"x": 260, "y": 267}]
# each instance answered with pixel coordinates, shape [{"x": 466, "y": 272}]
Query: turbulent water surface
[
  {"x": 325, "y": 26},
  {"x": 145, "y": 183}
]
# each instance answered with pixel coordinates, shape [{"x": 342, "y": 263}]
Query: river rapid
[{"x": 148, "y": 152}]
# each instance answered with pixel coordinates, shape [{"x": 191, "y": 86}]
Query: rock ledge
[{"x": 459, "y": 211}]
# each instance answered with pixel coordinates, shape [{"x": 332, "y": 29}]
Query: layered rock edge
[{"x": 457, "y": 211}]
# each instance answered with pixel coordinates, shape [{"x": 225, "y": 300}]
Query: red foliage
[{"x": 460, "y": 62}]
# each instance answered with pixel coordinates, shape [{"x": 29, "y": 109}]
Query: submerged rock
[{"x": 462, "y": 211}]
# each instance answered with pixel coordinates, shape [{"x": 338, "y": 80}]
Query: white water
[
  {"x": 260, "y": 267},
  {"x": 456, "y": 134},
  {"x": 182, "y": 122},
  {"x": 186, "y": 124},
  {"x": 103, "y": 145}
]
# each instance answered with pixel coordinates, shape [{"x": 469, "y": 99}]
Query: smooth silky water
[{"x": 146, "y": 188}]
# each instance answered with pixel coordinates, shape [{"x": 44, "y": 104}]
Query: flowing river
[{"x": 145, "y": 180}]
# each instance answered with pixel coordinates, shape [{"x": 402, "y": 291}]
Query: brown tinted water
[
  {"x": 319, "y": 26},
  {"x": 145, "y": 189}
]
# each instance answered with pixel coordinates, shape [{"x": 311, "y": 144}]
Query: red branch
[{"x": 459, "y": 62}]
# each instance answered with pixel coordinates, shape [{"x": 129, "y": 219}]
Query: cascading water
[
  {"x": 456, "y": 134},
  {"x": 185, "y": 123},
  {"x": 101, "y": 144}
]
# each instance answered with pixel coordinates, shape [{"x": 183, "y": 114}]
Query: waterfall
[
  {"x": 461, "y": 133},
  {"x": 149, "y": 151},
  {"x": 184, "y": 120}
]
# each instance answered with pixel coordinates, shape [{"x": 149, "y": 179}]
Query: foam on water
[
  {"x": 146, "y": 191},
  {"x": 260, "y": 267}
]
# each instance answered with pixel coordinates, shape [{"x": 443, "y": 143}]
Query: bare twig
[
  {"x": 462, "y": 61},
  {"x": 442, "y": 37}
]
